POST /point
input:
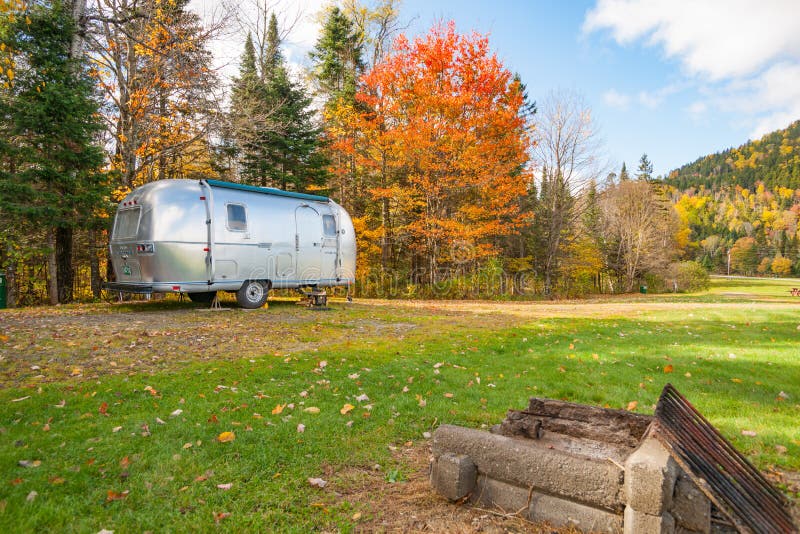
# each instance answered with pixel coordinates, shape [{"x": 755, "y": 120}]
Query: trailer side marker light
[
  {"x": 206, "y": 249},
  {"x": 202, "y": 198},
  {"x": 176, "y": 288}
]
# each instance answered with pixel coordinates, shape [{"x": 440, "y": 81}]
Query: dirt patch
[{"x": 412, "y": 506}]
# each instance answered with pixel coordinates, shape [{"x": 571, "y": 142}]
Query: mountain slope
[{"x": 774, "y": 159}]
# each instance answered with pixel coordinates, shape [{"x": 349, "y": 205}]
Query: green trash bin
[
  {"x": 643, "y": 290},
  {"x": 3, "y": 293}
]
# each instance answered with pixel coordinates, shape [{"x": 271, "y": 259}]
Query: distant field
[{"x": 122, "y": 404}]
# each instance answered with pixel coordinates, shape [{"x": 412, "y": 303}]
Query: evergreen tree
[
  {"x": 645, "y": 171},
  {"x": 623, "y": 173},
  {"x": 337, "y": 57},
  {"x": 273, "y": 122},
  {"x": 49, "y": 175}
]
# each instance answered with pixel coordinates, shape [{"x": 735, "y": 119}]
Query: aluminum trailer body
[{"x": 203, "y": 236}]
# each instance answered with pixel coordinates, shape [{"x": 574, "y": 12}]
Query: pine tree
[
  {"x": 337, "y": 58},
  {"x": 49, "y": 176},
  {"x": 645, "y": 171},
  {"x": 623, "y": 173},
  {"x": 273, "y": 122}
]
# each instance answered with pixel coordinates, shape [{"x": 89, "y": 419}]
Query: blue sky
[{"x": 676, "y": 79}]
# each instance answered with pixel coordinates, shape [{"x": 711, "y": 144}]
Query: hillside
[{"x": 774, "y": 160}]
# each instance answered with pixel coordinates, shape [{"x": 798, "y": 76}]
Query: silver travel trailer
[{"x": 203, "y": 236}]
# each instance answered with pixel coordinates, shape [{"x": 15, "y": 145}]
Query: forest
[{"x": 461, "y": 184}]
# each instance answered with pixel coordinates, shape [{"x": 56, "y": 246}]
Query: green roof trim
[{"x": 266, "y": 191}]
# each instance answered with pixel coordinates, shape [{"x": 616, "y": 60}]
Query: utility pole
[{"x": 729, "y": 262}]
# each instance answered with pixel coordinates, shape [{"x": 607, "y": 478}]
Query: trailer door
[{"x": 308, "y": 243}]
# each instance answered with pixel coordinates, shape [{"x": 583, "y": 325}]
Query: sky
[{"x": 675, "y": 79}]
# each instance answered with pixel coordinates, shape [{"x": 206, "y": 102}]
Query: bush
[{"x": 687, "y": 276}]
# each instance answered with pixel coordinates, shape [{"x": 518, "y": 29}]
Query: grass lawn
[{"x": 116, "y": 409}]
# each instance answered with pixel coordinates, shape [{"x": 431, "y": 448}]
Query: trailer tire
[
  {"x": 253, "y": 294},
  {"x": 205, "y": 297}
]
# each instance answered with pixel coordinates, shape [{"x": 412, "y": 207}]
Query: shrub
[
  {"x": 781, "y": 266},
  {"x": 688, "y": 276}
]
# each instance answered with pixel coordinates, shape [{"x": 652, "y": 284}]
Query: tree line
[{"x": 459, "y": 183}]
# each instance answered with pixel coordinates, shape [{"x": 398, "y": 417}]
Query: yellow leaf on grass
[
  {"x": 632, "y": 405},
  {"x": 3, "y": 338},
  {"x": 226, "y": 437},
  {"x": 347, "y": 408},
  {"x": 736, "y": 380},
  {"x": 668, "y": 368},
  {"x": 312, "y": 409},
  {"x": 278, "y": 409}
]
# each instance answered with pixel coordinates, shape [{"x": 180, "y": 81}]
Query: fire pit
[{"x": 602, "y": 470}]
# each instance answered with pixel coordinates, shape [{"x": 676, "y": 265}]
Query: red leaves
[
  {"x": 103, "y": 409},
  {"x": 116, "y": 496}
]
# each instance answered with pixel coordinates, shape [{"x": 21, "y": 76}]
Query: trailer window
[
  {"x": 127, "y": 224},
  {"x": 237, "y": 218},
  {"x": 329, "y": 225}
]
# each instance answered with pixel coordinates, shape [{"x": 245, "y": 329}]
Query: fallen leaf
[
  {"x": 736, "y": 380},
  {"x": 31, "y": 496},
  {"x": 227, "y": 486},
  {"x": 226, "y": 437},
  {"x": 176, "y": 413},
  {"x": 632, "y": 405},
  {"x": 21, "y": 399},
  {"x": 125, "y": 462},
  {"x": 187, "y": 445},
  {"x": 362, "y": 398},
  {"x": 220, "y": 516},
  {"x": 749, "y": 433},
  {"x": 312, "y": 409},
  {"x": 317, "y": 482},
  {"x": 56, "y": 480},
  {"x": 353, "y": 376},
  {"x": 356, "y": 516},
  {"x": 277, "y": 410},
  {"x": 301, "y": 428},
  {"x": 60, "y": 404},
  {"x": 304, "y": 394},
  {"x": 116, "y": 429},
  {"x": 160, "y": 421},
  {"x": 213, "y": 419},
  {"x": 668, "y": 368},
  {"x": 347, "y": 408},
  {"x": 75, "y": 372},
  {"x": 780, "y": 449},
  {"x": 104, "y": 531},
  {"x": 688, "y": 374},
  {"x": 448, "y": 395},
  {"x": 115, "y": 496},
  {"x": 46, "y": 427},
  {"x": 783, "y": 395},
  {"x": 103, "y": 408},
  {"x": 17, "y": 481},
  {"x": 28, "y": 463}
]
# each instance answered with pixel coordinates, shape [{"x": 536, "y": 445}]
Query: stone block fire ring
[{"x": 613, "y": 471}]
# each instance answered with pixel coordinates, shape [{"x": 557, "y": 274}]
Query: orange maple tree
[{"x": 444, "y": 146}]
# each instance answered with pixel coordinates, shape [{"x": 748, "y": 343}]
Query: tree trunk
[
  {"x": 52, "y": 277},
  {"x": 11, "y": 278},
  {"x": 94, "y": 265},
  {"x": 64, "y": 269}
]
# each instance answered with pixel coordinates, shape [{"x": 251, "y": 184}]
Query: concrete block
[
  {"x": 690, "y": 507},
  {"x": 524, "y": 463},
  {"x": 640, "y": 523},
  {"x": 650, "y": 474},
  {"x": 453, "y": 475},
  {"x": 538, "y": 507}
]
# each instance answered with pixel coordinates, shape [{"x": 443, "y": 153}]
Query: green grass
[{"x": 459, "y": 364}]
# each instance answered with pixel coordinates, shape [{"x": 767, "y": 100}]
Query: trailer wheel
[
  {"x": 205, "y": 297},
  {"x": 253, "y": 294}
]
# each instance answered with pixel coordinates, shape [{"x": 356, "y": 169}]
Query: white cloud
[
  {"x": 615, "y": 99},
  {"x": 743, "y": 54},
  {"x": 718, "y": 39}
]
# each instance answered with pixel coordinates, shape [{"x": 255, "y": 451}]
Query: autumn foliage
[{"x": 442, "y": 150}]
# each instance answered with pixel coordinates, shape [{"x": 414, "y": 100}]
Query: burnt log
[{"x": 577, "y": 420}]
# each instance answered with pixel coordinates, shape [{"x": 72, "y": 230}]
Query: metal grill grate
[{"x": 732, "y": 483}]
